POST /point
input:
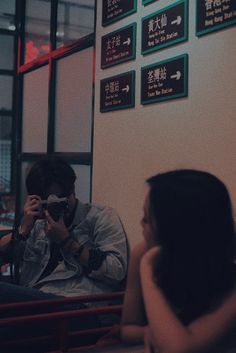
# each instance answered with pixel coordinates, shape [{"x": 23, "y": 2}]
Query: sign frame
[
  {"x": 106, "y": 22},
  {"x": 127, "y": 58},
  {"x": 132, "y": 103},
  {"x": 170, "y": 42},
  {"x": 147, "y": 2},
  {"x": 170, "y": 97},
  {"x": 214, "y": 28}
]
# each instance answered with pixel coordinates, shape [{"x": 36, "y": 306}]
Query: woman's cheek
[{"x": 147, "y": 234}]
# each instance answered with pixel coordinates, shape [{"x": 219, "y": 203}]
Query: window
[
  {"x": 7, "y": 111},
  {"x": 57, "y": 35},
  {"x": 37, "y": 29},
  {"x": 75, "y": 20}
]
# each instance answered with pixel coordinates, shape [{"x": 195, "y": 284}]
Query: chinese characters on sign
[
  {"x": 114, "y": 10},
  {"x": 165, "y": 80},
  {"x": 119, "y": 46},
  {"x": 213, "y": 15},
  {"x": 117, "y": 92},
  {"x": 165, "y": 28}
]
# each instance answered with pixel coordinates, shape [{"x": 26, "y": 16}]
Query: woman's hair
[
  {"x": 194, "y": 226},
  {"x": 47, "y": 171}
]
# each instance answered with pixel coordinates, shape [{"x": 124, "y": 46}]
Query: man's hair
[
  {"x": 195, "y": 229},
  {"x": 47, "y": 171}
]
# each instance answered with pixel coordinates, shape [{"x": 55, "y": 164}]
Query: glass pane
[
  {"x": 5, "y": 127},
  {"x": 7, "y": 47},
  {"x": 5, "y": 153},
  {"x": 75, "y": 20},
  {"x": 37, "y": 29},
  {"x": 35, "y": 111},
  {"x": 7, "y": 14},
  {"x": 25, "y": 167},
  {"x": 6, "y": 83},
  {"x": 74, "y": 101},
  {"x": 82, "y": 184}
]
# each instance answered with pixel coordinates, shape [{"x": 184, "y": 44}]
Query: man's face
[{"x": 54, "y": 189}]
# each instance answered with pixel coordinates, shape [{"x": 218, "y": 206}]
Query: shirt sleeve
[
  {"x": 102, "y": 232},
  {"x": 13, "y": 251},
  {"x": 109, "y": 239}
]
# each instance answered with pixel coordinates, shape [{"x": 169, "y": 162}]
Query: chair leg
[{"x": 61, "y": 335}]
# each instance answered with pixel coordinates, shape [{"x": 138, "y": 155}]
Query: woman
[{"x": 181, "y": 290}]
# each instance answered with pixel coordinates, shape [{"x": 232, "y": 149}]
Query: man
[{"x": 74, "y": 250}]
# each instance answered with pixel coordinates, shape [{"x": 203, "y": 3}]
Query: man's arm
[
  {"x": 5, "y": 241},
  {"x": 11, "y": 248},
  {"x": 5, "y": 253},
  {"x": 108, "y": 248},
  {"x": 104, "y": 255},
  {"x": 31, "y": 212}
]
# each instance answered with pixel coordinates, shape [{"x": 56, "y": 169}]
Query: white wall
[{"x": 198, "y": 131}]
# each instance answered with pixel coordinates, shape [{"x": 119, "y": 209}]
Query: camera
[{"x": 56, "y": 206}]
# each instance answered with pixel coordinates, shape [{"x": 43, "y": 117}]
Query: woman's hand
[{"x": 150, "y": 257}]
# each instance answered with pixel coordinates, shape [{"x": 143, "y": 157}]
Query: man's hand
[
  {"x": 56, "y": 231},
  {"x": 32, "y": 210}
]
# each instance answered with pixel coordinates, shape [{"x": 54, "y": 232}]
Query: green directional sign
[
  {"x": 166, "y": 27},
  {"x": 114, "y": 10},
  {"x": 213, "y": 16},
  {"x": 117, "y": 92},
  {"x": 165, "y": 80},
  {"x": 146, "y": 2},
  {"x": 119, "y": 46}
]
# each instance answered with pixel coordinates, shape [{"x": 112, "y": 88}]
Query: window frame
[{"x": 50, "y": 59}]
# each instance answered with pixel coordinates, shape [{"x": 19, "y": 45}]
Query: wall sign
[
  {"x": 165, "y": 80},
  {"x": 146, "y": 2},
  {"x": 166, "y": 27},
  {"x": 214, "y": 15},
  {"x": 117, "y": 92},
  {"x": 114, "y": 10},
  {"x": 119, "y": 46}
]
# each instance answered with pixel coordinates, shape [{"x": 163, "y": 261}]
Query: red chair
[{"x": 53, "y": 311}]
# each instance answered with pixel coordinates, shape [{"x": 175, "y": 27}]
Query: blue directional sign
[
  {"x": 214, "y": 15},
  {"x": 165, "y": 80},
  {"x": 117, "y": 92},
  {"x": 119, "y": 46},
  {"x": 166, "y": 27}
]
